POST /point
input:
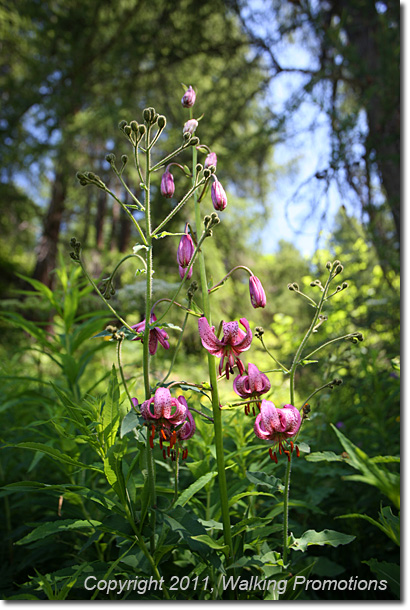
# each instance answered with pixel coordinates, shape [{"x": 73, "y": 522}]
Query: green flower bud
[
  {"x": 162, "y": 121},
  {"x": 110, "y": 158},
  {"x": 134, "y": 126},
  {"x": 122, "y": 124}
]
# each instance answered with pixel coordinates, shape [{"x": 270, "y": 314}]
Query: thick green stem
[
  {"x": 217, "y": 414},
  {"x": 146, "y": 355}
]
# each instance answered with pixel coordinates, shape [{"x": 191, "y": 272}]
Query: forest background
[{"x": 302, "y": 93}]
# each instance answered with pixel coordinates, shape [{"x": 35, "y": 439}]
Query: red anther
[
  {"x": 151, "y": 442},
  {"x": 253, "y": 411},
  {"x": 287, "y": 453},
  {"x": 160, "y": 442},
  {"x": 173, "y": 439},
  {"x": 258, "y": 404},
  {"x": 280, "y": 448},
  {"x": 291, "y": 445},
  {"x": 275, "y": 458},
  {"x": 173, "y": 456},
  {"x": 163, "y": 434},
  {"x": 297, "y": 451},
  {"x": 164, "y": 454},
  {"x": 152, "y": 431},
  {"x": 186, "y": 453},
  {"x": 270, "y": 453},
  {"x": 168, "y": 450}
]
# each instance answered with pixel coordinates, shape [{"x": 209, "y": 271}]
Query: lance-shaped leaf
[{"x": 326, "y": 537}]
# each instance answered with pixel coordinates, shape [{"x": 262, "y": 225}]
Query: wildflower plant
[{"x": 164, "y": 416}]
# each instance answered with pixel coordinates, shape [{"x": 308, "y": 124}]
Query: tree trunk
[{"x": 47, "y": 248}]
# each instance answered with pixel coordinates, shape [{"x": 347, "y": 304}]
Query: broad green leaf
[
  {"x": 212, "y": 543},
  {"x": 386, "y": 571},
  {"x": 324, "y": 456},
  {"x": 130, "y": 422},
  {"x": 114, "y": 474},
  {"x": 388, "y": 523},
  {"x": 111, "y": 411},
  {"x": 372, "y": 474},
  {"x": 265, "y": 480},
  {"x": 244, "y": 494},
  {"x": 190, "y": 491},
  {"x": 54, "y": 527},
  {"x": 55, "y": 454},
  {"x": 326, "y": 537}
]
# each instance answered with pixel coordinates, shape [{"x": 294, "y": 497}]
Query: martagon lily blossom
[
  {"x": 155, "y": 335},
  {"x": 252, "y": 385},
  {"x": 278, "y": 425},
  {"x": 234, "y": 342},
  {"x": 165, "y": 414}
]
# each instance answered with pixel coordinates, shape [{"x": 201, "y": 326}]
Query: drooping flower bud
[
  {"x": 183, "y": 272},
  {"x": 211, "y": 159},
  {"x": 190, "y": 126},
  {"x": 189, "y": 97},
  {"x": 257, "y": 293},
  {"x": 167, "y": 184},
  {"x": 218, "y": 195},
  {"x": 185, "y": 251}
]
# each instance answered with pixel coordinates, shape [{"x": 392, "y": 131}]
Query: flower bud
[
  {"x": 257, "y": 293},
  {"x": 167, "y": 184},
  {"x": 218, "y": 195},
  {"x": 211, "y": 159},
  {"x": 190, "y": 126},
  {"x": 189, "y": 97},
  {"x": 183, "y": 271},
  {"x": 185, "y": 251}
]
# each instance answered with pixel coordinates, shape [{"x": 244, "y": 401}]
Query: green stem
[
  {"x": 217, "y": 414},
  {"x": 127, "y": 211},
  {"x": 326, "y": 344},
  {"x": 94, "y": 285},
  {"x": 146, "y": 355},
  {"x": 292, "y": 399},
  {"x": 178, "y": 207}
]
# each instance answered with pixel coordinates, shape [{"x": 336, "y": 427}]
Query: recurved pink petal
[
  {"x": 208, "y": 337},
  {"x": 290, "y": 420},
  {"x": 260, "y": 429},
  {"x": 246, "y": 339},
  {"x": 163, "y": 403},
  {"x": 189, "y": 427},
  {"x": 230, "y": 332},
  {"x": 180, "y": 412},
  {"x": 270, "y": 417}
]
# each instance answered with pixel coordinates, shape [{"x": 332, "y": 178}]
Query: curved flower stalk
[
  {"x": 234, "y": 342},
  {"x": 171, "y": 418},
  {"x": 278, "y": 425},
  {"x": 252, "y": 385},
  {"x": 155, "y": 335}
]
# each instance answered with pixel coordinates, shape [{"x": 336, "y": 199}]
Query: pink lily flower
[
  {"x": 234, "y": 341},
  {"x": 254, "y": 383},
  {"x": 278, "y": 425},
  {"x": 168, "y": 414},
  {"x": 173, "y": 410},
  {"x": 155, "y": 335}
]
